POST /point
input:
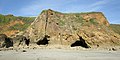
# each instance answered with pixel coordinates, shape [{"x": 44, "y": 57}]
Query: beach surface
[{"x": 58, "y": 54}]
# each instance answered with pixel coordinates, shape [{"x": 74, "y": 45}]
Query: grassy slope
[
  {"x": 6, "y": 19},
  {"x": 115, "y": 27}
]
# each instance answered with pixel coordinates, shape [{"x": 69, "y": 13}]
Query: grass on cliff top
[
  {"x": 82, "y": 13},
  {"x": 70, "y": 13},
  {"x": 49, "y": 10}
]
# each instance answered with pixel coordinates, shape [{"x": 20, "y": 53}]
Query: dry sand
[{"x": 59, "y": 54}]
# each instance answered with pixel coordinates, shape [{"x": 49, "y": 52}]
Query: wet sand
[{"x": 59, "y": 54}]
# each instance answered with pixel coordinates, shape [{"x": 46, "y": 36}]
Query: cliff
[
  {"x": 11, "y": 25},
  {"x": 72, "y": 29}
]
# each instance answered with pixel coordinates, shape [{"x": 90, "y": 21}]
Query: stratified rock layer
[{"x": 67, "y": 28}]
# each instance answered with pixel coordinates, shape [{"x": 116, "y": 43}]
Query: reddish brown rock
[{"x": 67, "y": 28}]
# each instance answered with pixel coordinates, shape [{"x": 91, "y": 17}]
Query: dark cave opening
[
  {"x": 81, "y": 42},
  {"x": 8, "y": 43},
  {"x": 27, "y": 41},
  {"x": 44, "y": 41}
]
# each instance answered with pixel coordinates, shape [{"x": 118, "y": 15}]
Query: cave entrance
[
  {"x": 27, "y": 41},
  {"x": 81, "y": 42},
  {"x": 8, "y": 43},
  {"x": 44, "y": 41}
]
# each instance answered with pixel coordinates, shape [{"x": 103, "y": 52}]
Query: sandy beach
[{"x": 58, "y": 54}]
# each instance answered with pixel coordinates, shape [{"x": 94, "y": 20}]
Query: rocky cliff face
[
  {"x": 5, "y": 41},
  {"x": 99, "y": 16},
  {"x": 72, "y": 29}
]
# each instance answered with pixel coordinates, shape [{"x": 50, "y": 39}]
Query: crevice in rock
[
  {"x": 46, "y": 21},
  {"x": 44, "y": 41},
  {"x": 81, "y": 42}
]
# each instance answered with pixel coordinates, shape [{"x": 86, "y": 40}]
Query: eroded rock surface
[
  {"x": 66, "y": 28},
  {"x": 5, "y": 41},
  {"x": 21, "y": 40}
]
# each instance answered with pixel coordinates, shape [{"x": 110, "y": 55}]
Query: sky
[{"x": 110, "y": 8}]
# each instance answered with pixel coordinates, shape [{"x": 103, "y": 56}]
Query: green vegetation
[
  {"x": 89, "y": 12},
  {"x": 84, "y": 13},
  {"x": 19, "y": 27},
  {"x": 93, "y": 21},
  {"x": 79, "y": 18},
  {"x": 115, "y": 27},
  {"x": 50, "y": 10},
  {"x": 26, "y": 19},
  {"x": 6, "y": 19}
]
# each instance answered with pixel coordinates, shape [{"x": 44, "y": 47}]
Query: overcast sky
[{"x": 111, "y": 8}]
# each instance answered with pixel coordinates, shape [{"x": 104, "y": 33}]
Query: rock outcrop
[
  {"x": 90, "y": 29},
  {"x": 5, "y": 41},
  {"x": 20, "y": 40}
]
